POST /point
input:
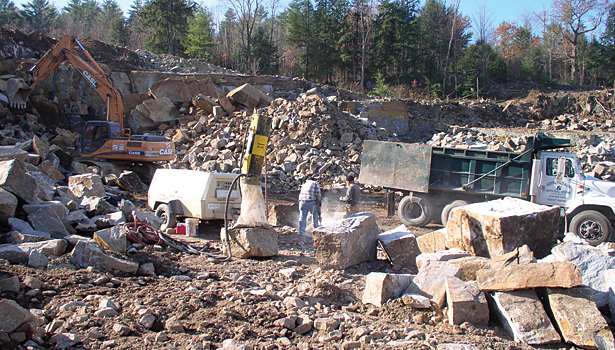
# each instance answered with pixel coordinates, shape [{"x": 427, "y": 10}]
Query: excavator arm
[{"x": 65, "y": 49}]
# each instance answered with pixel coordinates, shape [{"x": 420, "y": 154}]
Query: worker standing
[
  {"x": 309, "y": 202},
  {"x": 353, "y": 194}
]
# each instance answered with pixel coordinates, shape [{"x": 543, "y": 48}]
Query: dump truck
[{"x": 434, "y": 180}]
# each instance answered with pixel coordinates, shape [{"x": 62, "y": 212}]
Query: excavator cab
[{"x": 96, "y": 133}]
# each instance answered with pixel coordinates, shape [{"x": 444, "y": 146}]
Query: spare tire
[
  {"x": 592, "y": 226},
  {"x": 415, "y": 210},
  {"x": 447, "y": 209}
]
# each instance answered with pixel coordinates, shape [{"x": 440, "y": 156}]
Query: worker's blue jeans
[{"x": 304, "y": 209}]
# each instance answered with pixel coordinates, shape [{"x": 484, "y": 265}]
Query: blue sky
[{"x": 499, "y": 10}]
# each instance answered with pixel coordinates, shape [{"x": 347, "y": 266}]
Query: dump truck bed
[{"x": 421, "y": 168}]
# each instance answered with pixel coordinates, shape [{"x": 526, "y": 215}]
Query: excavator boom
[{"x": 99, "y": 139}]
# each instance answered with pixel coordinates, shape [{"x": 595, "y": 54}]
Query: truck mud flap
[{"x": 176, "y": 207}]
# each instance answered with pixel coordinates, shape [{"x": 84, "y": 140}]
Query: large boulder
[
  {"x": 249, "y": 96},
  {"x": 113, "y": 239},
  {"x": 346, "y": 243},
  {"x": 559, "y": 274},
  {"x": 15, "y": 179},
  {"x": 88, "y": 254},
  {"x": 175, "y": 90},
  {"x": 252, "y": 242},
  {"x": 12, "y": 316},
  {"x": 494, "y": 228},
  {"x": 161, "y": 110},
  {"x": 89, "y": 185},
  {"x": 431, "y": 281},
  {"x": 466, "y": 303},
  {"x": 139, "y": 123},
  {"x": 401, "y": 247},
  {"x": 47, "y": 220}
]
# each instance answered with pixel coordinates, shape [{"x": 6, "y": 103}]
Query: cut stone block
[
  {"x": 519, "y": 256},
  {"x": 432, "y": 242},
  {"x": 470, "y": 266},
  {"x": 380, "y": 287},
  {"x": 466, "y": 303},
  {"x": 443, "y": 255},
  {"x": 204, "y": 103},
  {"x": 87, "y": 254},
  {"x": 592, "y": 262},
  {"x": 20, "y": 253},
  {"x": 523, "y": 316},
  {"x": 174, "y": 89},
  {"x": 45, "y": 219},
  {"x": 431, "y": 281},
  {"x": 113, "y": 239},
  {"x": 494, "y": 228},
  {"x": 89, "y": 185},
  {"x": 8, "y": 204},
  {"x": 346, "y": 243},
  {"x": 249, "y": 96},
  {"x": 13, "y": 178},
  {"x": 401, "y": 247},
  {"x": 558, "y": 274},
  {"x": 12, "y": 316},
  {"x": 252, "y": 242},
  {"x": 577, "y": 318},
  {"x": 139, "y": 123}
]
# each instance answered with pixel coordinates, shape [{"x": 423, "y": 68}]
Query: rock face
[
  {"x": 89, "y": 185},
  {"x": 348, "y": 242},
  {"x": 391, "y": 115},
  {"x": 524, "y": 317},
  {"x": 591, "y": 261},
  {"x": 13, "y": 178},
  {"x": 431, "y": 280},
  {"x": 466, "y": 303},
  {"x": 380, "y": 287},
  {"x": 577, "y": 318},
  {"x": 558, "y": 274},
  {"x": 497, "y": 227},
  {"x": 252, "y": 242},
  {"x": 401, "y": 247}
]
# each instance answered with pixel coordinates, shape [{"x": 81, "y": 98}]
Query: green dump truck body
[{"x": 421, "y": 168}]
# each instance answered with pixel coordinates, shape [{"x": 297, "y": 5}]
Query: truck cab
[{"x": 588, "y": 202}]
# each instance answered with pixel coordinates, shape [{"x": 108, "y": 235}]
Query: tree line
[{"x": 395, "y": 48}]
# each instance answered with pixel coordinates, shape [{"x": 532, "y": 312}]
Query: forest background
[{"x": 394, "y": 48}]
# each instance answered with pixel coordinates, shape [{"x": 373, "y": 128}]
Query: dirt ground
[{"x": 241, "y": 299}]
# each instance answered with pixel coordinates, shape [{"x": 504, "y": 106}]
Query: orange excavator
[{"x": 99, "y": 139}]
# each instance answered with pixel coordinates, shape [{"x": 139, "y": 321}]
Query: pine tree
[
  {"x": 298, "y": 21},
  {"x": 200, "y": 35},
  {"x": 40, "y": 15},
  {"x": 9, "y": 14},
  {"x": 168, "y": 20}
]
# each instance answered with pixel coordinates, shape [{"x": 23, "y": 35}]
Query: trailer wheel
[
  {"x": 447, "y": 210},
  {"x": 415, "y": 210},
  {"x": 170, "y": 220},
  {"x": 592, "y": 226}
]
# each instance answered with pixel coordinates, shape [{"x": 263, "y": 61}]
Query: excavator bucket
[{"x": 18, "y": 92}]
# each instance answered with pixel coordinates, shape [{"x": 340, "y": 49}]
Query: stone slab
[
  {"x": 8, "y": 153},
  {"x": 519, "y": 256},
  {"x": 347, "y": 242},
  {"x": 497, "y": 227},
  {"x": 380, "y": 287},
  {"x": 45, "y": 219},
  {"x": 523, "y": 316},
  {"x": 15, "y": 179},
  {"x": 19, "y": 253},
  {"x": 12, "y": 315},
  {"x": 89, "y": 185},
  {"x": 577, "y": 318},
  {"x": 113, "y": 239},
  {"x": 470, "y": 266},
  {"x": 466, "y": 303},
  {"x": 401, "y": 247},
  {"x": 249, "y": 96},
  {"x": 8, "y": 204},
  {"x": 87, "y": 254},
  {"x": 514, "y": 277}
]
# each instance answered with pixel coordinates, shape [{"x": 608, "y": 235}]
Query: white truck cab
[{"x": 588, "y": 202}]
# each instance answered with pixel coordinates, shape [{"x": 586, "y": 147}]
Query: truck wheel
[
  {"x": 592, "y": 226},
  {"x": 170, "y": 220},
  {"x": 447, "y": 210},
  {"x": 415, "y": 210}
]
